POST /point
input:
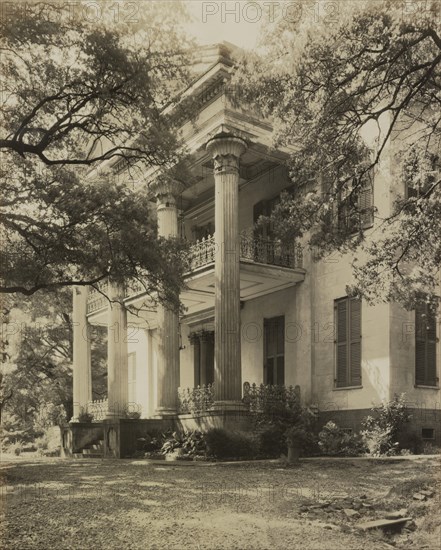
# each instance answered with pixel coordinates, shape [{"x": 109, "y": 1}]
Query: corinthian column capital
[
  {"x": 226, "y": 152},
  {"x": 166, "y": 190}
]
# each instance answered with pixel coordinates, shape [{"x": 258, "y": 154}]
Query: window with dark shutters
[
  {"x": 348, "y": 342},
  {"x": 356, "y": 208},
  {"x": 425, "y": 347},
  {"x": 274, "y": 351},
  {"x": 366, "y": 204},
  {"x": 265, "y": 208}
]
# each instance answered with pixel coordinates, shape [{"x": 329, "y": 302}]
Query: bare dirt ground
[{"x": 134, "y": 504}]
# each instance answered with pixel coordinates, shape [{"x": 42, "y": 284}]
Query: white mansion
[{"x": 255, "y": 312}]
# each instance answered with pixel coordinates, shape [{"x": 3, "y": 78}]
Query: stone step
[
  {"x": 381, "y": 523},
  {"x": 92, "y": 453}
]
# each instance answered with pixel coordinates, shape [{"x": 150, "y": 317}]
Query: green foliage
[
  {"x": 381, "y": 431},
  {"x": 189, "y": 444},
  {"x": 130, "y": 414},
  {"x": 85, "y": 416},
  {"x": 277, "y": 420},
  {"x": 223, "y": 444},
  {"x": 333, "y": 441},
  {"x": 38, "y": 370},
  {"x": 272, "y": 442},
  {"x": 355, "y": 96},
  {"x": 296, "y": 436},
  {"x": 49, "y": 443},
  {"x": 78, "y": 94}
]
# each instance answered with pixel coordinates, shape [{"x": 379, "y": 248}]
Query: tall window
[
  {"x": 274, "y": 351},
  {"x": 203, "y": 357},
  {"x": 425, "y": 347},
  {"x": 131, "y": 365},
  {"x": 265, "y": 208},
  {"x": 348, "y": 342},
  {"x": 356, "y": 208}
]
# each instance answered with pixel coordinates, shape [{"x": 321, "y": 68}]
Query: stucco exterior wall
[
  {"x": 329, "y": 281},
  {"x": 402, "y": 353}
]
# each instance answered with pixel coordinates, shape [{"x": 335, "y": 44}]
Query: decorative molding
[
  {"x": 226, "y": 152},
  {"x": 166, "y": 190}
]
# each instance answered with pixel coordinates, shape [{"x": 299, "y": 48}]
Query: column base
[
  {"x": 164, "y": 412},
  {"x": 112, "y": 415},
  {"x": 219, "y": 406}
]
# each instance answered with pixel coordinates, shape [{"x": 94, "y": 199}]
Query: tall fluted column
[
  {"x": 226, "y": 152},
  {"x": 167, "y": 192},
  {"x": 117, "y": 352},
  {"x": 82, "y": 375}
]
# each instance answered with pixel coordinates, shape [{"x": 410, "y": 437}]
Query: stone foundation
[
  {"x": 121, "y": 435},
  {"x": 77, "y": 435},
  {"x": 422, "y": 419},
  {"x": 234, "y": 420}
]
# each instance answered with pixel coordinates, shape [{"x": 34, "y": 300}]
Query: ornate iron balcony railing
[
  {"x": 195, "y": 400},
  {"x": 97, "y": 298},
  {"x": 98, "y": 409},
  {"x": 257, "y": 398},
  {"x": 203, "y": 252},
  {"x": 266, "y": 397},
  {"x": 254, "y": 249}
]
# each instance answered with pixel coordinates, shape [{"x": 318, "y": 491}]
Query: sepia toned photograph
[{"x": 220, "y": 274}]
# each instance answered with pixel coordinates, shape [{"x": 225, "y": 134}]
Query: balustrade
[
  {"x": 265, "y": 251},
  {"x": 195, "y": 400}
]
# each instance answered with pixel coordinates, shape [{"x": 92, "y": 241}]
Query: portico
[{"x": 229, "y": 157}]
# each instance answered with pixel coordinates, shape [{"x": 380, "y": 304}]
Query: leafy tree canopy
[
  {"x": 80, "y": 93},
  {"x": 36, "y": 374},
  {"x": 354, "y": 95}
]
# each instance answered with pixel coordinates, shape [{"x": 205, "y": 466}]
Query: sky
[
  {"x": 231, "y": 21},
  {"x": 240, "y": 21}
]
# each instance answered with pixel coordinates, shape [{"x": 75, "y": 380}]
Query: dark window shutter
[
  {"x": 355, "y": 337},
  {"x": 342, "y": 343},
  {"x": 274, "y": 351},
  {"x": 281, "y": 370},
  {"x": 365, "y": 205},
  {"x": 425, "y": 347},
  {"x": 348, "y": 342},
  {"x": 412, "y": 192},
  {"x": 431, "y": 351},
  {"x": 260, "y": 209},
  {"x": 420, "y": 347}
]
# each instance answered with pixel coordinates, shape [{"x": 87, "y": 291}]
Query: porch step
[
  {"x": 92, "y": 453},
  {"x": 92, "y": 450}
]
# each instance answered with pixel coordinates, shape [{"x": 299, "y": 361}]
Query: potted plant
[
  {"x": 295, "y": 439},
  {"x": 85, "y": 416}
]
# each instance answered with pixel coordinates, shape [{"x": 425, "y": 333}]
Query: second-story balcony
[
  {"x": 252, "y": 249},
  {"x": 266, "y": 266}
]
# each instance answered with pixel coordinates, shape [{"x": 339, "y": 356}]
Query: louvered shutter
[
  {"x": 420, "y": 345},
  {"x": 365, "y": 205},
  {"x": 274, "y": 351},
  {"x": 431, "y": 351},
  {"x": 326, "y": 188},
  {"x": 425, "y": 347},
  {"x": 280, "y": 329},
  {"x": 355, "y": 342},
  {"x": 281, "y": 370},
  {"x": 342, "y": 343}
]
